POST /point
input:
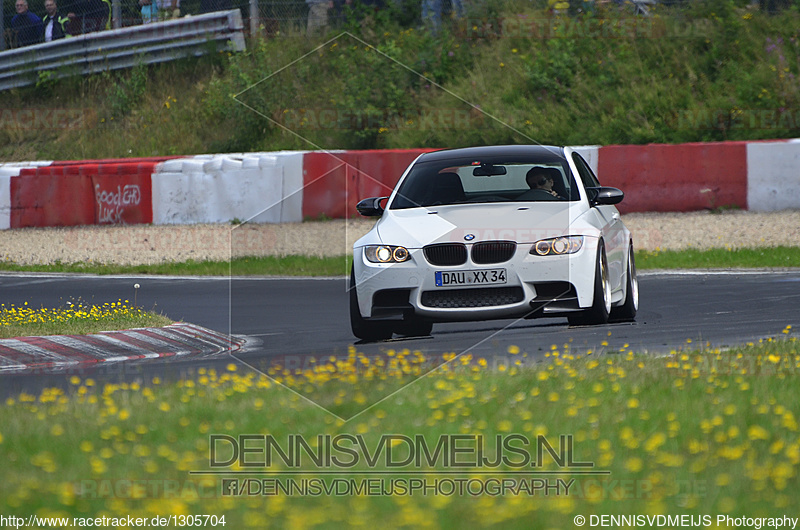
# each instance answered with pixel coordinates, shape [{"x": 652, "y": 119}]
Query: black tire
[
  {"x": 627, "y": 311},
  {"x": 364, "y": 329},
  {"x": 601, "y": 302},
  {"x": 415, "y": 327}
]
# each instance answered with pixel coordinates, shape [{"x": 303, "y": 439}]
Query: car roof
[{"x": 543, "y": 153}]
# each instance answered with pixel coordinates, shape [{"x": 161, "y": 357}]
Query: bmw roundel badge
[{"x": 469, "y": 237}]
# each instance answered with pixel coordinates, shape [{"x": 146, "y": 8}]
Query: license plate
[{"x": 480, "y": 277}]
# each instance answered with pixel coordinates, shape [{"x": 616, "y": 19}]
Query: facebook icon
[{"x": 230, "y": 486}]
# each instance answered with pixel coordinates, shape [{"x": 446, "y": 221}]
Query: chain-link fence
[
  {"x": 87, "y": 16},
  {"x": 269, "y": 18}
]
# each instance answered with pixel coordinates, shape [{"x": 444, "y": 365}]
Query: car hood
[{"x": 520, "y": 222}]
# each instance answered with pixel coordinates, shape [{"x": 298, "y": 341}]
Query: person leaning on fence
[
  {"x": 318, "y": 16},
  {"x": 55, "y": 25},
  {"x": 26, "y": 27},
  {"x": 149, "y": 11}
]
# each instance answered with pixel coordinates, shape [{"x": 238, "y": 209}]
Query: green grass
[
  {"x": 773, "y": 257},
  {"x": 719, "y": 258},
  {"x": 76, "y": 318},
  {"x": 253, "y": 266},
  {"x": 693, "y": 433},
  {"x": 698, "y": 71}
]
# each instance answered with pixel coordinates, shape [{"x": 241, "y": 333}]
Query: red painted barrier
[
  {"x": 51, "y": 200},
  {"x": 107, "y": 169},
  {"x": 140, "y": 159},
  {"x": 128, "y": 168},
  {"x": 333, "y": 183},
  {"x": 676, "y": 178},
  {"x": 88, "y": 169},
  {"x": 86, "y": 194},
  {"x": 122, "y": 199}
]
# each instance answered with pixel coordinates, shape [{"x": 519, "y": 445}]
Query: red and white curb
[{"x": 58, "y": 352}]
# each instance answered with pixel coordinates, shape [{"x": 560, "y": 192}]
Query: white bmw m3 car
[{"x": 488, "y": 233}]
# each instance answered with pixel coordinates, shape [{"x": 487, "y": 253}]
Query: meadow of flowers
[
  {"x": 74, "y": 317},
  {"x": 701, "y": 431}
]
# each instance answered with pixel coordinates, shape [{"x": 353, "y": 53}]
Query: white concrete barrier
[
  {"x": 5, "y": 201},
  {"x": 249, "y": 187},
  {"x": 773, "y": 176},
  {"x": 590, "y": 153}
]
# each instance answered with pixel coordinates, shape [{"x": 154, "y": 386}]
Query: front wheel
[
  {"x": 362, "y": 328},
  {"x": 627, "y": 311},
  {"x": 601, "y": 303}
]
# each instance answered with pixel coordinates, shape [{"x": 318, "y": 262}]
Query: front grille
[
  {"x": 446, "y": 254},
  {"x": 493, "y": 251},
  {"x": 484, "y": 297}
]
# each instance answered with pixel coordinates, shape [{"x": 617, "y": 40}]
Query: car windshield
[{"x": 491, "y": 179}]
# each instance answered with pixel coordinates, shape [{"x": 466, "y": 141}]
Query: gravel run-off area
[{"x": 147, "y": 244}]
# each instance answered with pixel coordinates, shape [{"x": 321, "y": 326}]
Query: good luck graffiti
[{"x": 113, "y": 202}]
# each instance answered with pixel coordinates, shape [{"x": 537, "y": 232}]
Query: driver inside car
[{"x": 540, "y": 180}]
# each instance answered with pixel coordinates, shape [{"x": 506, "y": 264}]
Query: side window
[{"x": 588, "y": 178}]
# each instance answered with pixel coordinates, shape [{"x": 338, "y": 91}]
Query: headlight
[
  {"x": 557, "y": 246},
  {"x": 386, "y": 254}
]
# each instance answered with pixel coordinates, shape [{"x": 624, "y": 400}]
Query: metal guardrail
[{"x": 123, "y": 48}]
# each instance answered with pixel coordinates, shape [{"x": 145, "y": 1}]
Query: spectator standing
[
  {"x": 103, "y": 10},
  {"x": 55, "y": 25},
  {"x": 168, "y": 9},
  {"x": 318, "y": 16},
  {"x": 149, "y": 11},
  {"x": 26, "y": 27},
  {"x": 90, "y": 15},
  {"x": 432, "y": 14}
]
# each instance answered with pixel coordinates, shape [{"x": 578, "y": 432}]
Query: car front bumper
[{"x": 535, "y": 286}]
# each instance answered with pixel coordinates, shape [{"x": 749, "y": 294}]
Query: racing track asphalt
[{"x": 297, "y": 318}]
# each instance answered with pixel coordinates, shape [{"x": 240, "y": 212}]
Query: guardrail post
[
  {"x": 116, "y": 14},
  {"x": 253, "y": 17},
  {"x": 2, "y": 29}
]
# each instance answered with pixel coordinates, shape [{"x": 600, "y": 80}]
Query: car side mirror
[
  {"x": 605, "y": 195},
  {"x": 371, "y": 207}
]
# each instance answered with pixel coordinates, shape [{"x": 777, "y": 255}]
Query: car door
[{"x": 613, "y": 229}]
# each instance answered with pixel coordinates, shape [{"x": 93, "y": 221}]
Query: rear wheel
[
  {"x": 362, "y": 328},
  {"x": 601, "y": 303},
  {"x": 627, "y": 311}
]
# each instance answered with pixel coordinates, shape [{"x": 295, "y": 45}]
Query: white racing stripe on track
[
  {"x": 200, "y": 330},
  {"x": 9, "y": 365},
  {"x": 176, "y": 334},
  {"x": 37, "y": 352},
  {"x": 80, "y": 345},
  {"x": 31, "y": 282},
  {"x": 160, "y": 344},
  {"x": 201, "y": 333},
  {"x": 134, "y": 350}
]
